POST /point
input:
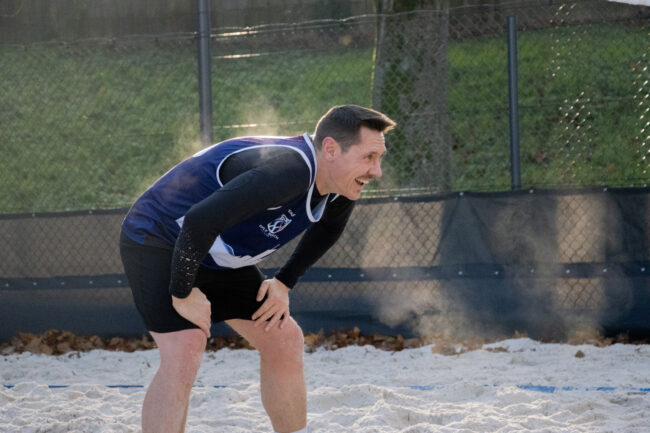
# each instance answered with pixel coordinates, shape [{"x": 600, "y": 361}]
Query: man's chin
[{"x": 352, "y": 197}]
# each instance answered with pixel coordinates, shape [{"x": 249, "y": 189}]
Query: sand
[{"x": 508, "y": 386}]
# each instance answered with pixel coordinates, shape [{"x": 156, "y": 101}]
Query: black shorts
[{"x": 231, "y": 292}]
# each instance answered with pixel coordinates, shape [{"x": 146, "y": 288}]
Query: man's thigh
[
  {"x": 290, "y": 335},
  {"x": 148, "y": 270}
]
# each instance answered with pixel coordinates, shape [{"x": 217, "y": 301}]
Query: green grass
[
  {"x": 92, "y": 125},
  {"x": 89, "y": 128},
  {"x": 579, "y": 120}
]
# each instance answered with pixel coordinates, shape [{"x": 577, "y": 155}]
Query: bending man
[{"x": 191, "y": 242}]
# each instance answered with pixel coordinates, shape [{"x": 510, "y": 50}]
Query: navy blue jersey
[{"x": 161, "y": 209}]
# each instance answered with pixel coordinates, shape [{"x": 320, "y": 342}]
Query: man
[{"x": 191, "y": 242}]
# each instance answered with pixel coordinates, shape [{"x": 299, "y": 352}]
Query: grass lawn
[{"x": 92, "y": 125}]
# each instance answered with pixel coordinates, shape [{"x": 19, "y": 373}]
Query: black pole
[
  {"x": 515, "y": 167},
  {"x": 205, "y": 82}
]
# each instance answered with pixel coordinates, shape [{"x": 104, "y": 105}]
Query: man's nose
[{"x": 375, "y": 170}]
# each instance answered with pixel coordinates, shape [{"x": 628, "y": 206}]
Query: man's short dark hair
[{"x": 343, "y": 123}]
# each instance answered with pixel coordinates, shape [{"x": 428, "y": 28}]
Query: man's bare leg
[
  {"x": 166, "y": 403},
  {"x": 282, "y": 379}
]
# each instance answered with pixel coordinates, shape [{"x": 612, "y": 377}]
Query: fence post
[
  {"x": 205, "y": 74},
  {"x": 513, "y": 84}
]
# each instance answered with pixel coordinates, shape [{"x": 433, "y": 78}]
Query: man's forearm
[{"x": 313, "y": 245}]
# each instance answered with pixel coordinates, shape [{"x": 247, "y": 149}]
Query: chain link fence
[
  {"x": 89, "y": 124},
  {"x": 582, "y": 93},
  {"x": 119, "y": 112}
]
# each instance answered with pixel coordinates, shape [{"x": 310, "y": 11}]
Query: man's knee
[
  {"x": 181, "y": 353},
  {"x": 283, "y": 345}
]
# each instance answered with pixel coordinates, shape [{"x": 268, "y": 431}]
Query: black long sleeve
[
  {"x": 316, "y": 241},
  {"x": 253, "y": 183}
]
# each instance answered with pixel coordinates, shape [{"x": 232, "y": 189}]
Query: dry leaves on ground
[{"x": 55, "y": 342}]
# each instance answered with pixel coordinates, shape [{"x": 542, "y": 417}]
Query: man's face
[{"x": 361, "y": 163}]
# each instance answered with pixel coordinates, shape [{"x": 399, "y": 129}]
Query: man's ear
[{"x": 330, "y": 148}]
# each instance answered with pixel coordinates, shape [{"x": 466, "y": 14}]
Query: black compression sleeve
[
  {"x": 256, "y": 184},
  {"x": 316, "y": 241}
]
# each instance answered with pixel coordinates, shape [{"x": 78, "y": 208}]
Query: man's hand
[
  {"x": 276, "y": 306},
  {"x": 195, "y": 308}
]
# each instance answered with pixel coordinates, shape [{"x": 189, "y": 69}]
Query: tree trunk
[{"x": 410, "y": 86}]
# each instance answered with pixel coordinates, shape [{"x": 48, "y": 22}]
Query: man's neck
[{"x": 321, "y": 182}]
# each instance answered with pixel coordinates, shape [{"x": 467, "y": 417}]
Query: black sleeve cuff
[{"x": 287, "y": 278}]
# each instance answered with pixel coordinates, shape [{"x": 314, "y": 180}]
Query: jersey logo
[{"x": 278, "y": 225}]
